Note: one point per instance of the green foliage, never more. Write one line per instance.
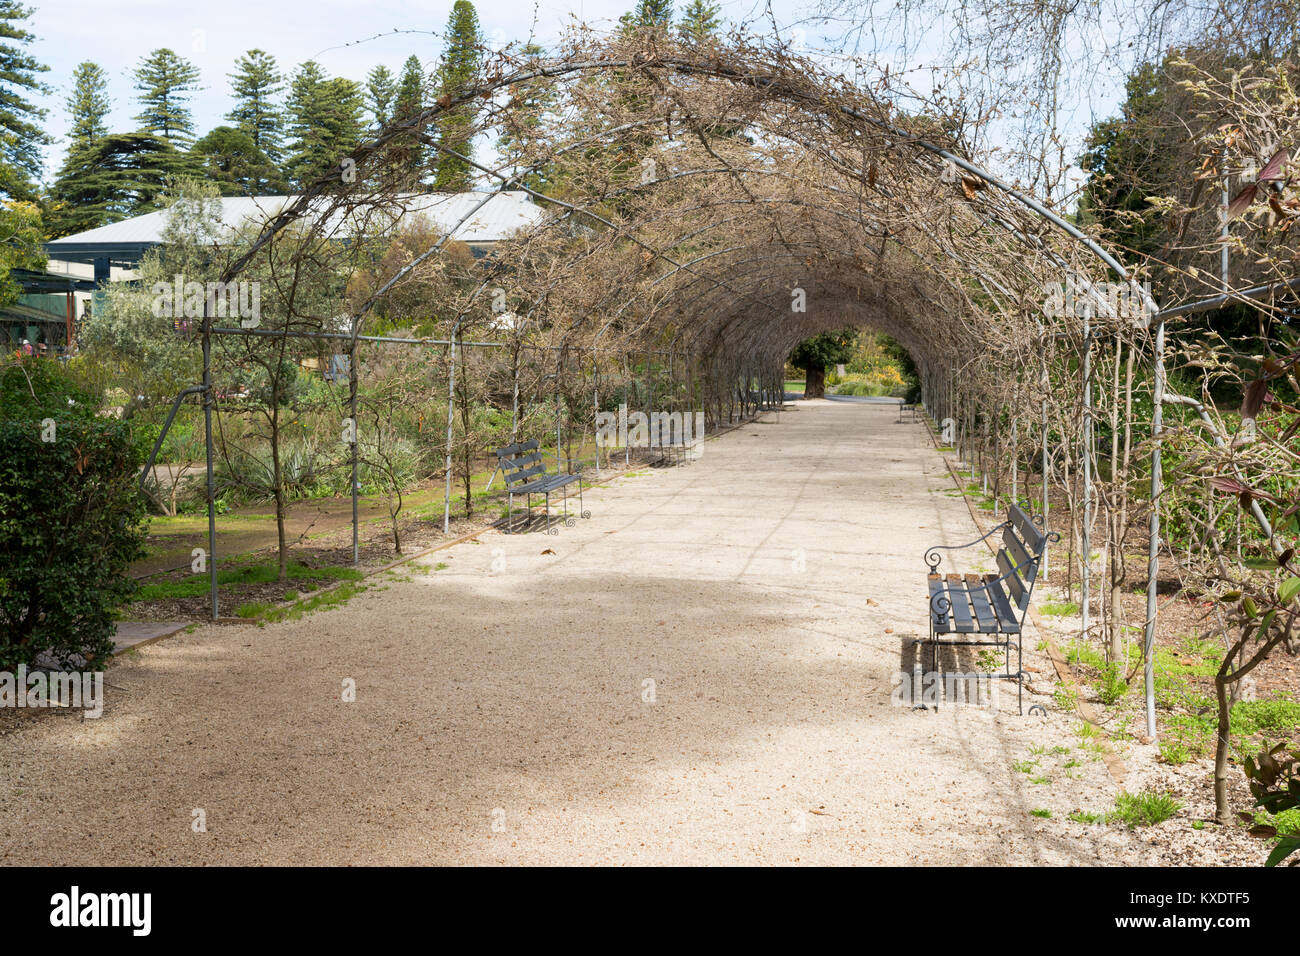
(71, 517)
(1086, 817)
(127, 344)
(381, 91)
(165, 82)
(456, 74)
(21, 135)
(20, 224)
(119, 175)
(826, 349)
(231, 159)
(1274, 779)
(699, 20)
(1126, 165)
(255, 84)
(88, 105)
(324, 123)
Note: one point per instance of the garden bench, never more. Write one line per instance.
(988, 610)
(524, 471)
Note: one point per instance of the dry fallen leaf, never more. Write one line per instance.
(548, 551)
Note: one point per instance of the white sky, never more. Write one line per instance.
(336, 33)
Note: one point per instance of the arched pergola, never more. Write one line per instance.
(696, 195)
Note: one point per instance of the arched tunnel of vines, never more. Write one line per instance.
(881, 443)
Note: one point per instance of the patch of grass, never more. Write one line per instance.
(1059, 608)
(1085, 817)
(267, 572)
(323, 601)
(1276, 717)
(1041, 813)
(253, 609)
(441, 566)
(1041, 780)
(1025, 766)
(1144, 809)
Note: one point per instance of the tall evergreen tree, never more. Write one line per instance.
(324, 121)
(456, 73)
(165, 83)
(255, 84)
(699, 20)
(409, 96)
(88, 105)
(21, 136)
(408, 101)
(381, 89)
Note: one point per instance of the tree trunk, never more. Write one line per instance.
(1222, 812)
(815, 382)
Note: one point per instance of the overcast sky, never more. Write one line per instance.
(339, 34)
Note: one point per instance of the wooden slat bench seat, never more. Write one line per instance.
(988, 610)
(522, 466)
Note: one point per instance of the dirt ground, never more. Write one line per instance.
(700, 673)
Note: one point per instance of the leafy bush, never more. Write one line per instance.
(71, 518)
(1274, 778)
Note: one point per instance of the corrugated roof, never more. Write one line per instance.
(503, 214)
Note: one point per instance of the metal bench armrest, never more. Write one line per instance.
(933, 557)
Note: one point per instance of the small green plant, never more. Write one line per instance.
(1066, 698)
(1025, 766)
(1041, 813)
(1111, 686)
(1041, 780)
(1085, 817)
(1198, 824)
(253, 609)
(1059, 608)
(1144, 809)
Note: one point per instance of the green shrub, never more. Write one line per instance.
(71, 517)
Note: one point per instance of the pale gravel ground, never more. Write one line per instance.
(515, 696)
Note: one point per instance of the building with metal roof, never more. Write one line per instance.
(104, 253)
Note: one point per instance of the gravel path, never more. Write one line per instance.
(701, 673)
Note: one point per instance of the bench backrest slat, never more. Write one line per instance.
(1016, 587)
(521, 462)
(1019, 553)
(1033, 536)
